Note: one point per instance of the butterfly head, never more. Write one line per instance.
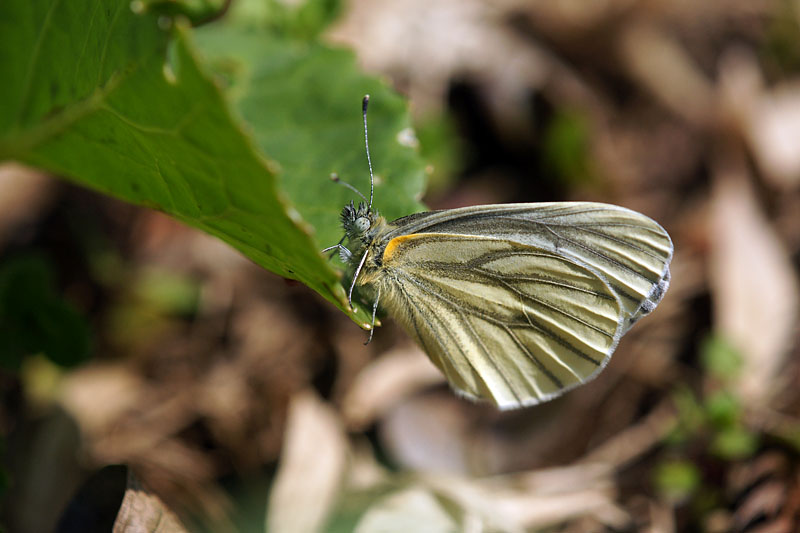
(357, 221)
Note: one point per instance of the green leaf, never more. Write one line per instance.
(720, 359)
(787, 431)
(677, 480)
(34, 318)
(197, 11)
(723, 408)
(303, 103)
(691, 416)
(168, 292)
(566, 146)
(112, 100)
(304, 19)
(440, 146)
(734, 443)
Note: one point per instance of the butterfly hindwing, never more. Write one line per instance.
(503, 321)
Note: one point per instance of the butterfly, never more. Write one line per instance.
(514, 303)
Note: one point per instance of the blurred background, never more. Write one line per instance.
(241, 399)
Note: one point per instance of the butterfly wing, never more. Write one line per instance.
(629, 250)
(517, 304)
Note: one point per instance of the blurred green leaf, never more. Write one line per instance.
(720, 359)
(565, 147)
(734, 443)
(5, 478)
(677, 480)
(297, 19)
(691, 417)
(788, 431)
(351, 508)
(149, 306)
(115, 112)
(723, 409)
(40, 378)
(304, 19)
(197, 11)
(440, 146)
(779, 52)
(168, 292)
(34, 318)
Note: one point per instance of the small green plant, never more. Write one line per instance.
(717, 416)
(35, 319)
(710, 430)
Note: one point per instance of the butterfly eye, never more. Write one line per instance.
(362, 224)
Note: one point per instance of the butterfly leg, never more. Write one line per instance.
(374, 310)
(344, 253)
(355, 277)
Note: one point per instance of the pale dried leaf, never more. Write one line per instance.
(384, 382)
(97, 395)
(503, 506)
(754, 287)
(559, 480)
(659, 62)
(143, 512)
(364, 472)
(769, 118)
(24, 192)
(311, 467)
(413, 509)
(662, 518)
(775, 133)
(573, 14)
(391, 36)
(429, 433)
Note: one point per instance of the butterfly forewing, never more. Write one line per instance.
(518, 303)
(630, 250)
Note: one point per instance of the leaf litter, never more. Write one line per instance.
(690, 109)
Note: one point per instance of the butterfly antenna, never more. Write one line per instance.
(364, 104)
(335, 177)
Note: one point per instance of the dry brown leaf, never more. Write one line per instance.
(311, 468)
(502, 505)
(561, 479)
(144, 512)
(391, 37)
(769, 118)
(98, 395)
(754, 287)
(636, 439)
(663, 67)
(509, 503)
(775, 133)
(662, 518)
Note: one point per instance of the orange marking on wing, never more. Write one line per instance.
(394, 243)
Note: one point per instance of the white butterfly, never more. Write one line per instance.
(515, 303)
